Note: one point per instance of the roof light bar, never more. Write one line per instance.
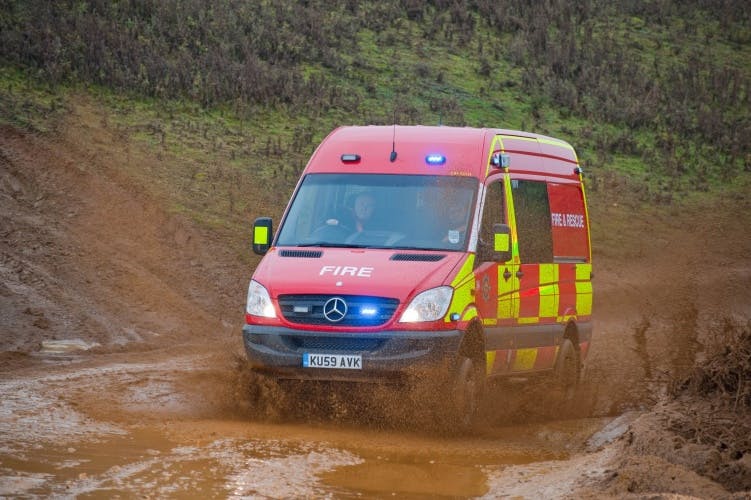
(350, 157)
(435, 159)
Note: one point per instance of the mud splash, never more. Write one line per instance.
(105, 427)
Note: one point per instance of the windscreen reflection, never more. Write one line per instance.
(381, 211)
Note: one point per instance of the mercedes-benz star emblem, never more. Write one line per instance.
(335, 309)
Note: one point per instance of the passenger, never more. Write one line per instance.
(456, 222)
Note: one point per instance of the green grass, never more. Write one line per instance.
(28, 103)
(232, 161)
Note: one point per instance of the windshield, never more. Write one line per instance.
(420, 212)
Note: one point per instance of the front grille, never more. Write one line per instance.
(303, 254)
(417, 257)
(361, 310)
(330, 344)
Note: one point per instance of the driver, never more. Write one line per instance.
(457, 213)
(363, 209)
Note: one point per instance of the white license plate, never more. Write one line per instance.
(340, 361)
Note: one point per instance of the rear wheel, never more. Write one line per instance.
(469, 384)
(567, 369)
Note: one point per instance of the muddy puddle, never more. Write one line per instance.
(154, 428)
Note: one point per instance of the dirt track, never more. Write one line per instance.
(151, 402)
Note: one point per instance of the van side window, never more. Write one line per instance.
(493, 212)
(533, 228)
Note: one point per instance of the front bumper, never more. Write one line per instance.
(386, 355)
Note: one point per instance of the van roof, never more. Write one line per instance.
(466, 150)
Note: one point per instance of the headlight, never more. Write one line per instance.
(259, 302)
(430, 305)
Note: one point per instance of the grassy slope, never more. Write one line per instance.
(226, 164)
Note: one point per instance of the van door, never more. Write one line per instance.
(497, 285)
(538, 277)
(571, 250)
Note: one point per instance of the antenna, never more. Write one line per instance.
(392, 158)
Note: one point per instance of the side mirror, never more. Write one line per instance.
(502, 242)
(262, 235)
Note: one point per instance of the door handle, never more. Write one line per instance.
(519, 274)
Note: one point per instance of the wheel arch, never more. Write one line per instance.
(473, 341)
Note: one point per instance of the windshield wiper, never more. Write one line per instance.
(419, 248)
(328, 244)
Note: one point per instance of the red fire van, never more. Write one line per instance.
(411, 247)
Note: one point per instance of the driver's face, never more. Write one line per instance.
(364, 207)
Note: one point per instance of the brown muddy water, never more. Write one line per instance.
(160, 426)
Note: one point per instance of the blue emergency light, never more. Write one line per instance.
(368, 311)
(435, 159)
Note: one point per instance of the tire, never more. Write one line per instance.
(567, 369)
(469, 384)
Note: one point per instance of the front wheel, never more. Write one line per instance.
(469, 383)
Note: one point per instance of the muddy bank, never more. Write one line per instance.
(120, 330)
